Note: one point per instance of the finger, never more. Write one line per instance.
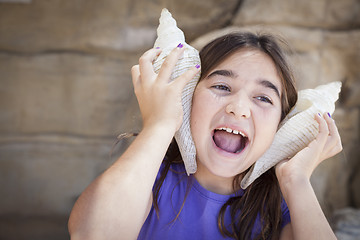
(146, 61)
(187, 76)
(170, 62)
(320, 139)
(333, 130)
(333, 144)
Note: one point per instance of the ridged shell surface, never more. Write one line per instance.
(168, 37)
(298, 128)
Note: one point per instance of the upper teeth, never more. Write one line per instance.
(229, 130)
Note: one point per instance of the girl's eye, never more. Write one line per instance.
(264, 99)
(222, 87)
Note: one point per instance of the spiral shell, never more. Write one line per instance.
(298, 128)
(168, 37)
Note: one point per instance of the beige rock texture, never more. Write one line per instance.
(66, 92)
(346, 223)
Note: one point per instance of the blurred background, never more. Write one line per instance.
(66, 93)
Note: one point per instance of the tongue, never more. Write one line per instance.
(227, 141)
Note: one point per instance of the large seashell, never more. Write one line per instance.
(298, 128)
(169, 36)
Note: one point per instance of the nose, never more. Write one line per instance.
(239, 107)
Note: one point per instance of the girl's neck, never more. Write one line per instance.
(214, 183)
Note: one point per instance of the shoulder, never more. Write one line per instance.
(174, 176)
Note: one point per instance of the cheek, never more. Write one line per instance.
(200, 114)
(198, 109)
(195, 116)
(267, 125)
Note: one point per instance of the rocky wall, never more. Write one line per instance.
(66, 93)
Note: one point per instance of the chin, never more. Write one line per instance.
(226, 171)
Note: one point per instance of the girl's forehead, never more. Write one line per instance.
(247, 60)
(244, 55)
(247, 55)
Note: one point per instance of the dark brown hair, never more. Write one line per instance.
(263, 196)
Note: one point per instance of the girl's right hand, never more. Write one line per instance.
(159, 98)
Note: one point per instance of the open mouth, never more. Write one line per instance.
(230, 140)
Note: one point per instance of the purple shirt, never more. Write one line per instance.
(198, 218)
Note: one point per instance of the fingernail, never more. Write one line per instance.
(180, 45)
(329, 115)
(197, 66)
(157, 48)
(319, 114)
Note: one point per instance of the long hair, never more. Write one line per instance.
(263, 197)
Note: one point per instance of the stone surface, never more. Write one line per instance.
(108, 25)
(354, 181)
(346, 223)
(65, 91)
(47, 174)
(310, 14)
(34, 228)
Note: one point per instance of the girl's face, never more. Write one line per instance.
(235, 114)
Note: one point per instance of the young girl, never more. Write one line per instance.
(246, 88)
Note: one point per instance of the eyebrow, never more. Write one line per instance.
(231, 74)
(269, 84)
(225, 73)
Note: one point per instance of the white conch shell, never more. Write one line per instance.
(169, 36)
(297, 129)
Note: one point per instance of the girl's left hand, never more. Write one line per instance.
(326, 144)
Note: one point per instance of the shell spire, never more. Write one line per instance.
(297, 129)
(329, 94)
(168, 37)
